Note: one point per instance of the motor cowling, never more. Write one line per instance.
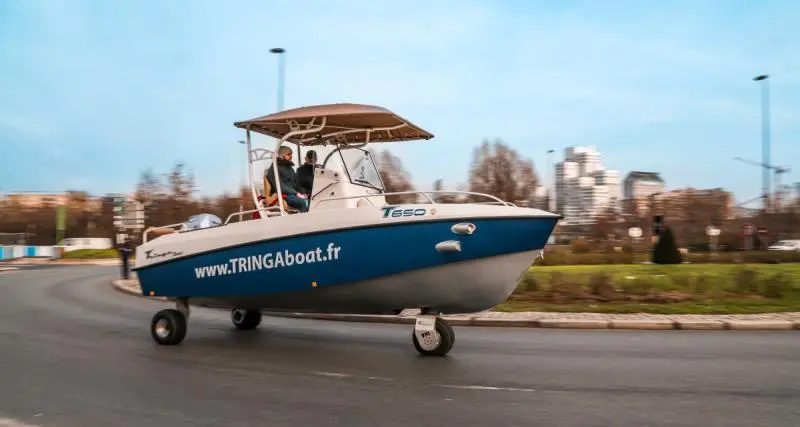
(200, 221)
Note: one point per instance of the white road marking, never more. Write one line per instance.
(451, 386)
(331, 374)
(483, 387)
(8, 422)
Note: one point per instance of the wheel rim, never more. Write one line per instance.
(238, 316)
(430, 341)
(162, 328)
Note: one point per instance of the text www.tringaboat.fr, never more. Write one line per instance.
(269, 261)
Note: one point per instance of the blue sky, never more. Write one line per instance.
(94, 92)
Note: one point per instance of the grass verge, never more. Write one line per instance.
(657, 289)
(91, 254)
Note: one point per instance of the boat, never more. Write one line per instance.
(351, 252)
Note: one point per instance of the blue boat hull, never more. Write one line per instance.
(361, 270)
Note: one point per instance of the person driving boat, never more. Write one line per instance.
(305, 173)
(291, 189)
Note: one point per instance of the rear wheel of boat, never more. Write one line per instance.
(245, 319)
(168, 327)
(436, 342)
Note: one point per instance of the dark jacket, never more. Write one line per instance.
(305, 176)
(289, 183)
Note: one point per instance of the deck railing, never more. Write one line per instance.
(275, 211)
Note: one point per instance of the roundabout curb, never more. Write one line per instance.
(548, 320)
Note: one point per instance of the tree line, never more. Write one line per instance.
(495, 169)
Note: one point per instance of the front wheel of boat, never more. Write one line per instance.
(436, 342)
(168, 327)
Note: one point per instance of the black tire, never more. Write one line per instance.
(168, 327)
(452, 335)
(250, 320)
(446, 337)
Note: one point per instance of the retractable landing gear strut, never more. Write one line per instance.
(168, 326)
(432, 335)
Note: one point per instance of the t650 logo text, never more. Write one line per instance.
(397, 212)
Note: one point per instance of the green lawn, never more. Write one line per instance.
(91, 254)
(670, 289)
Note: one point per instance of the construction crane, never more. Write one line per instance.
(777, 171)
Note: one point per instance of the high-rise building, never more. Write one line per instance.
(639, 186)
(584, 188)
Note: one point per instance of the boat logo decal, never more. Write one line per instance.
(398, 212)
(150, 255)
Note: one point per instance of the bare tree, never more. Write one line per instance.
(500, 171)
(395, 178)
(605, 224)
(438, 185)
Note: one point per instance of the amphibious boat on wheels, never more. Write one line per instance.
(350, 252)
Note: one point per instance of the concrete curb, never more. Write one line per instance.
(51, 261)
(546, 321)
(763, 325)
(129, 288)
(87, 262)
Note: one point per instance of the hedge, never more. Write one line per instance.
(753, 257)
(91, 254)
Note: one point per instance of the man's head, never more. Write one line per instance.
(285, 152)
(311, 157)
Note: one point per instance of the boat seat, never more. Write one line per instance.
(272, 200)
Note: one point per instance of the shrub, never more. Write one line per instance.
(601, 285)
(553, 257)
(701, 284)
(580, 246)
(561, 289)
(638, 286)
(528, 283)
(666, 251)
(746, 281)
(777, 286)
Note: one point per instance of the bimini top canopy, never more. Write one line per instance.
(345, 123)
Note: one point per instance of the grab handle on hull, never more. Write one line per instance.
(449, 246)
(463, 228)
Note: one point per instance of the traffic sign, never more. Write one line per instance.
(635, 232)
(748, 229)
(712, 231)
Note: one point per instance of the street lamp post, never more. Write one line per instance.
(281, 52)
(281, 73)
(765, 151)
(550, 185)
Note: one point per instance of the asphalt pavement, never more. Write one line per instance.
(75, 352)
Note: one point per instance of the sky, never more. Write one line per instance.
(92, 93)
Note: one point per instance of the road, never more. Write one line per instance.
(74, 352)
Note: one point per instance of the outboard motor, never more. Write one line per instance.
(205, 220)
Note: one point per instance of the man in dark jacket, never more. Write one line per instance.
(290, 186)
(125, 250)
(305, 173)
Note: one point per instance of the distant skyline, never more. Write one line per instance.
(96, 92)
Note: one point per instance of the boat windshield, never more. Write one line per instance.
(361, 168)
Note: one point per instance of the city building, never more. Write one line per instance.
(584, 188)
(35, 199)
(683, 204)
(41, 199)
(639, 186)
